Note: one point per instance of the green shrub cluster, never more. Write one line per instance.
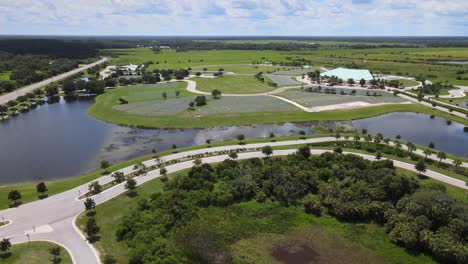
(347, 187)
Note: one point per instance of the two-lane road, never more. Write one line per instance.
(22, 91)
(52, 219)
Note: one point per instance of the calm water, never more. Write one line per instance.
(419, 129)
(62, 140)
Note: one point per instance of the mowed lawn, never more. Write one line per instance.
(4, 76)
(408, 83)
(170, 59)
(397, 61)
(233, 84)
(34, 252)
(236, 68)
(251, 69)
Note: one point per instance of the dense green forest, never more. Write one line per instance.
(419, 217)
(27, 60)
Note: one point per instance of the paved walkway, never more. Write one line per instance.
(52, 219)
(22, 91)
(192, 87)
(456, 93)
(443, 109)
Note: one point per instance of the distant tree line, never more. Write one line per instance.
(187, 44)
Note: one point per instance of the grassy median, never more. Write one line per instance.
(34, 252)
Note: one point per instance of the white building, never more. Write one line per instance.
(130, 69)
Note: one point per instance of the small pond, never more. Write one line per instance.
(454, 62)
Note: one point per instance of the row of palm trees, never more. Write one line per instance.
(410, 147)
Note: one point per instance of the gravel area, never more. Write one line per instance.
(308, 99)
(157, 108)
(246, 104)
(282, 80)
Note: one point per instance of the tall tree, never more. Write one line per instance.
(94, 187)
(457, 162)
(92, 230)
(5, 246)
(216, 93)
(441, 155)
(420, 166)
(267, 150)
(14, 196)
(104, 165)
(131, 185)
(89, 204)
(240, 137)
(41, 188)
(233, 155)
(55, 253)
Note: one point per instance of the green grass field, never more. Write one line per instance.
(151, 92)
(408, 83)
(233, 84)
(103, 109)
(237, 68)
(175, 60)
(5, 76)
(282, 80)
(34, 252)
(397, 61)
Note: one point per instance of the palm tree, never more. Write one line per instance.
(368, 139)
(357, 138)
(267, 150)
(233, 155)
(431, 145)
(420, 166)
(427, 152)
(398, 144)
(441, 155)
(337, 136)
(411, 147)
(378, 138)
(457, 163)
(386, 141)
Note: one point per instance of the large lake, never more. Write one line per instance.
(61, 140)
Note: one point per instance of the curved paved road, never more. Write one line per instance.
(53, 218)
(22, 91)
(192, 87)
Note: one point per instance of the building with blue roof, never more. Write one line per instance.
(345, 74)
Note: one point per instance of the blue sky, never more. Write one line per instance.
(238, 17)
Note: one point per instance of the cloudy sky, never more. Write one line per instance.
(237, 17)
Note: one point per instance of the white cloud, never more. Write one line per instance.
(237, 17)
